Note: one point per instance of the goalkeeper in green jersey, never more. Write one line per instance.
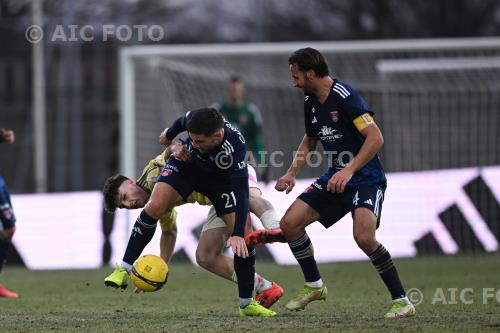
(247, 118)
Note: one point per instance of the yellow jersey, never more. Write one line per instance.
(148, 179)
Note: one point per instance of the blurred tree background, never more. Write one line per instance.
(194, 21)
(82, 75)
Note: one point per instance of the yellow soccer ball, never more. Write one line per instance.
(149, 273)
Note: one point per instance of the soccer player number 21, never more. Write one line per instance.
(228, 197)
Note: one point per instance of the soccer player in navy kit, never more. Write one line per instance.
(7, 217)
(336, 115)
(218, 171)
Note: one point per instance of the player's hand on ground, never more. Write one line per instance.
(287, 182)
(163, 139)
(339, 180)
(180, 152)
(7, 135)
(238, 245)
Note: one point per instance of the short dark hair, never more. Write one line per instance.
(205, 121)
(234, 79)
(309, 58)
(110, 191)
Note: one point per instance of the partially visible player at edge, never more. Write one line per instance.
(7, 217)
(122, 192)
(337, 115)
(218, 170)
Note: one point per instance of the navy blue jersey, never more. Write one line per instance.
(7, 217)
(332, 123)
(226, 163)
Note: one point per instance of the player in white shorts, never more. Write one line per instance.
(121, 192)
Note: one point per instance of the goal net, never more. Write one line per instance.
(437, 101)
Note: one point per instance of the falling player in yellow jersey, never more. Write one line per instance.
(122, 192)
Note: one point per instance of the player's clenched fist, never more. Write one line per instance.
(180, 152)
(339, 180)
(287, 182)
(163, 139)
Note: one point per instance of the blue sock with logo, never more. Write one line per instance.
(142, 233)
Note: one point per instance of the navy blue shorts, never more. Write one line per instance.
(186, 178)
(334, 206)
(6, 213)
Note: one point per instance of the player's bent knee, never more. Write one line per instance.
(365, 240)
(290, 228)
(204, 259)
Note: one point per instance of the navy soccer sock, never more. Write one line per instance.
(245, 272)
(142, 233)
(302, 250)
(382, 261)
(4, 247)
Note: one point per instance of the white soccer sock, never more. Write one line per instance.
(244, 302)
(406, 299)
(270, 219)
(315, 284)
(127, 267)
(260, 284)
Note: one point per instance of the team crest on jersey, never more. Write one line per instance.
(335, 116)
(166, 172)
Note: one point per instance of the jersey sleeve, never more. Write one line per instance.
(354, 106)
(239, 182)
(238, 174)
(177, 127)
(233, 153)
(179, 124)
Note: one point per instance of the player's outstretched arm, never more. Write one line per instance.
(178, 126)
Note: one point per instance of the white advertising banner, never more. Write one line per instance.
(64, 230)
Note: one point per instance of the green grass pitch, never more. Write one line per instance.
(194, 300)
